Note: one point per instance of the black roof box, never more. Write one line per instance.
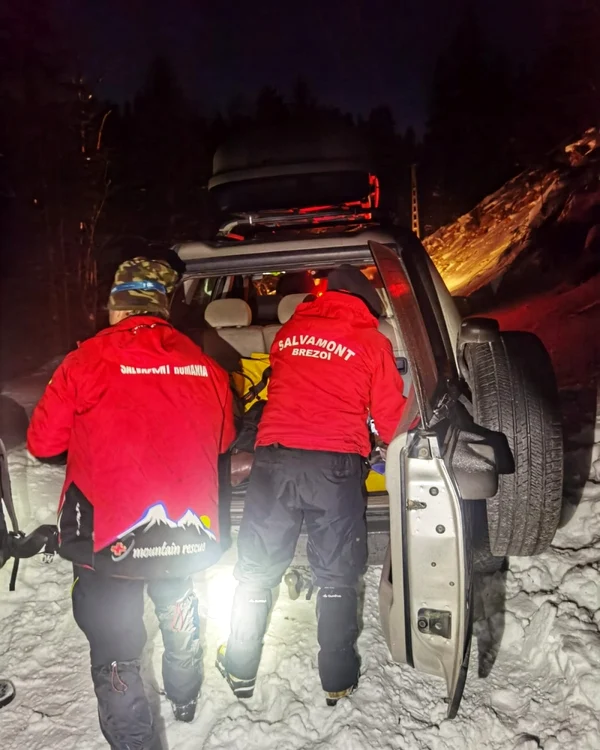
(290, 167)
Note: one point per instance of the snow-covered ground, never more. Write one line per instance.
(537, 640)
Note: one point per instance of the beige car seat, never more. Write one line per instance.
(285, 310)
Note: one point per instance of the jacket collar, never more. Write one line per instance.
(338, 305)
(133, 322)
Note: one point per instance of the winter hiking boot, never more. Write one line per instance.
(184, 711)
(241, 688)
(293, 581)
(332, 698)
(7, 692)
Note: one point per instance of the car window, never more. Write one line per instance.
(204, 292)
(416, 264)
(178, 305)
(191, 298)
(412, 326)
(265, 284)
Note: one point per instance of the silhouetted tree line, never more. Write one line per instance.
(80, 178)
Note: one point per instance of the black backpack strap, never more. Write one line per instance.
(247, 434)
(13, 576)
(16, 544)
(6, 501)
(5, 488)
(254, 390)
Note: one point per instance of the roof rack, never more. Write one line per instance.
(295, 217)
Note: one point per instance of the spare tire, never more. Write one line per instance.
(514, 391)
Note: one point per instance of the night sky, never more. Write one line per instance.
(355, 54)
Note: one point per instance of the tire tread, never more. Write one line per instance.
(514, 391)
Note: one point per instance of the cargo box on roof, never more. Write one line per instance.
(291, 168)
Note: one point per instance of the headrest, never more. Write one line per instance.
(228, 313)
(287, 306)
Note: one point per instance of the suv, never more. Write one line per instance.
(475, 468)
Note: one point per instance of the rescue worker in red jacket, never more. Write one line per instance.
(144, 415)
(331, 370)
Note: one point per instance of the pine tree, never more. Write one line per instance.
(380, 131)
(562, 97)
(304, 103)
(271, 109)
(163, 151)
(51, 133)
(467, 144)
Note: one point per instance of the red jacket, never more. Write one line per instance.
(143, 414)
(331, 369)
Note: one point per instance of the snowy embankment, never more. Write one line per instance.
(538, 231)
(537, 639)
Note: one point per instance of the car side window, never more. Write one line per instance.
(231, 288)
(192, 297)
(203, 292)
(414, 331)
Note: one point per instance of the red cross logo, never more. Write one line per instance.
(118, 549)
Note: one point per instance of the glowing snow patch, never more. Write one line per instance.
(221, 587)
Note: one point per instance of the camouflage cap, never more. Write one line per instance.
(142, 285)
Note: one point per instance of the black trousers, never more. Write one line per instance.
(110, 612)
(324, 490)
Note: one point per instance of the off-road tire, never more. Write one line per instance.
(514, 391)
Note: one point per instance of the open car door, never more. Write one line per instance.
(425, 590)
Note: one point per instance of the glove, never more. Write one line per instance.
(377, 460)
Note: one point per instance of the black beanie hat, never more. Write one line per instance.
(347, 278)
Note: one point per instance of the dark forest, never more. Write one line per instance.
(81, 177)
